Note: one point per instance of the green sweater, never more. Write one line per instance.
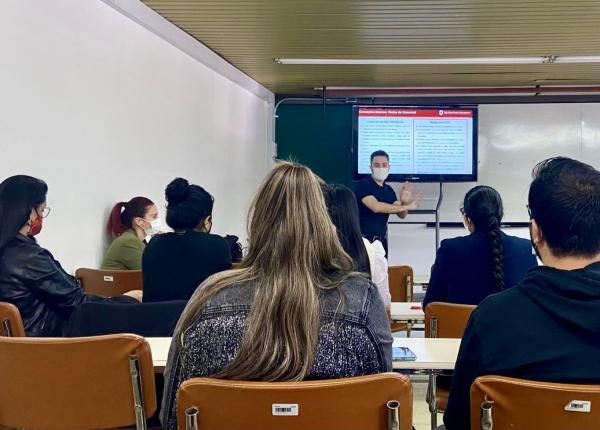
(124, 253)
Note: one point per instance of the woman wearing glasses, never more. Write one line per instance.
(468, 269)
(30, 277)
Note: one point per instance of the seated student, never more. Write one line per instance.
(129, 224)
(295, 309)
(368, 257)
(547, 328)
(235, 249)
(30, 278)
(175, 264)
(468, 269)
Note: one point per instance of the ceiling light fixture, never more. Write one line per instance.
(578, 59)
(337, 92)
(548, 59)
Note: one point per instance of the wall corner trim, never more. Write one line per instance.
(161, 27)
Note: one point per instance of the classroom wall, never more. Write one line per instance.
(103, 110)
(513, 138)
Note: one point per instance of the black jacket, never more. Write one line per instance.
(463, 269)
(175, 264)
(547, 328)
(33, 281)
(145, 319)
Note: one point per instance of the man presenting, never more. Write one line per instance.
(377, 200)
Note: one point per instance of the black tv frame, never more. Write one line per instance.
(395, 177)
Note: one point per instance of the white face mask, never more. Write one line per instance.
(155, 226)
(380, 173)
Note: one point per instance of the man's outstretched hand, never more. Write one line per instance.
(406, 193)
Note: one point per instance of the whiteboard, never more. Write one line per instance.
(513, 138)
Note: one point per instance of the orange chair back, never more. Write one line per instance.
(76, 383)
(109, 283)
(523, 404)
(358, 403)
(11, 324)
(401, 283)
(446, 319)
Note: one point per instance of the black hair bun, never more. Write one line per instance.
(177, 191)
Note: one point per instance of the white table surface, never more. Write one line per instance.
(421, 279)
(432, 354)
(402, 312)
(160, 351)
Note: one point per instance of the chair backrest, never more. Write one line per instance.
(522, 404)
(11, 324)
(401, 283)
(109, 283)
(76, 383)
(446, 319)
(359, 403)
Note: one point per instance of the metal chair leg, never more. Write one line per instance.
(191, 419)
(6, 328)
(486, 421)
(432, 399)
(138, 397)
(393, 407)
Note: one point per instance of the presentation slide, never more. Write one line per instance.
(418, 141)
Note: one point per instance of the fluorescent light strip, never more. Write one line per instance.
(441, 61)
(578, 59)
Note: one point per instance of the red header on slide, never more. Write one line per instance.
(415, 113)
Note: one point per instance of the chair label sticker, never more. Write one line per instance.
(579, 406)
(108, 278)
(285, 409)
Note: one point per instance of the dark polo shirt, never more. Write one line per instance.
(370, 222)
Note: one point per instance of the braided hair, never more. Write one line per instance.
(483, 206)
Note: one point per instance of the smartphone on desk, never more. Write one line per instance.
(402, 353)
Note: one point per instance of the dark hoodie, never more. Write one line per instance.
(547, 329)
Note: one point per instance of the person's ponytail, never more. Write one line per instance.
(122, 215)
(483, 206)
(115, 226)
(497, 251)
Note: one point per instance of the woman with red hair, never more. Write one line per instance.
(128, 225)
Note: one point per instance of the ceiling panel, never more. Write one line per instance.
(252, 33)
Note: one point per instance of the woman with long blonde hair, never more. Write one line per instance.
(293, 310)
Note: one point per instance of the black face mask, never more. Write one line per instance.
(533, 244)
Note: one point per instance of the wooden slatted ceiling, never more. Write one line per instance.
(252, 33)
